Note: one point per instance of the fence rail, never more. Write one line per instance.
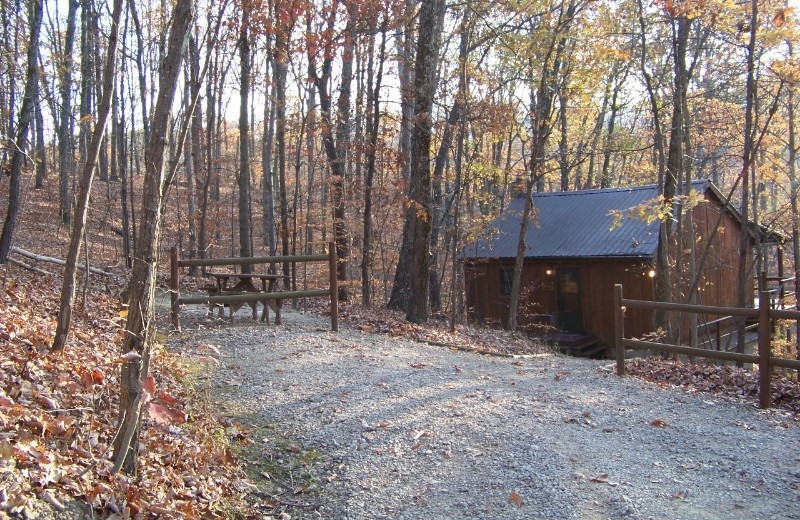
(177, 300)
(764, 315)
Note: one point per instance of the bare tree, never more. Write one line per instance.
(82, 207)
(419, 214)
(245, 247)
(65, 156)
(542, 95)
(139, 327)
(25, 116)
(336, 144)
(373, 126)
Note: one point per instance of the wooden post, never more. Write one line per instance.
(332, 266)
(619, 330)
(764, 341)
(781, 285)
(174, 287)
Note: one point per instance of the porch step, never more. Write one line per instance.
(578, 345)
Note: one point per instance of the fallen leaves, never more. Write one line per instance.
(58, 414)
(658, 423)
(729, 381)
(165, 415)
(393, 323)
(515, 499)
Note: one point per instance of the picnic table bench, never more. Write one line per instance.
(246, 283)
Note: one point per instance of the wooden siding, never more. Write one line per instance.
(539, 293)
(719, 277)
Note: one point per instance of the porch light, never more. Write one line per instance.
(651, 273)
(549, 272)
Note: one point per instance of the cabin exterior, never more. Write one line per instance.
(577, 250)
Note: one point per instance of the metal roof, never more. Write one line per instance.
(569, 224)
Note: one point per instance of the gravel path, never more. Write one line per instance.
(404, 430)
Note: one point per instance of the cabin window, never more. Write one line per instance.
(506, 278)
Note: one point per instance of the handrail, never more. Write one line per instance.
(206, 262)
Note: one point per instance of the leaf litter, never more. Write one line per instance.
(58, 415)
(727, 381)
(436, 331)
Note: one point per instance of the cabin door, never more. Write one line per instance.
(568, 291)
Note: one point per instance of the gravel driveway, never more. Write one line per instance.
(396, 429)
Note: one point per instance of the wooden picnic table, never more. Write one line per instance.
(244, 283)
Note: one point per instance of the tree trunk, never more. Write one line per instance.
(41, 151)
(406, 77)
(65, 154)
(596, 133)
(123, 176)
(795, 188)
(102, 160)
(662, 280)
(563, 158)
(86, 114)
(612, 120)
(373, 127)
(339, 169)
(25, 116)
(541, 120)
(336, 146)
(142, 76)
(431, 20)
(140, 327)
(281, 58)
(196, 151)
(748, 153)
(310, 152)
(202, 241)
(456, 113)
(245, 247)
(267, 187)
(82, 207)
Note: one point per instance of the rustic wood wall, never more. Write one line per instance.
(598, 276)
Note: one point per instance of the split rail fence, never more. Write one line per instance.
(252, 297)
(764, 314)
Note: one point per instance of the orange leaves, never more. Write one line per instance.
(58, 416)
(165, 415)
(729, 381)
(91, 377)
(515, 499)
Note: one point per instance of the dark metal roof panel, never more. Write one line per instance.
(574, 224)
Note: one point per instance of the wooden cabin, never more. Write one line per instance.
(577, 249)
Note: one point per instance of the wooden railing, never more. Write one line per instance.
(177, 300)
(764, 315)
